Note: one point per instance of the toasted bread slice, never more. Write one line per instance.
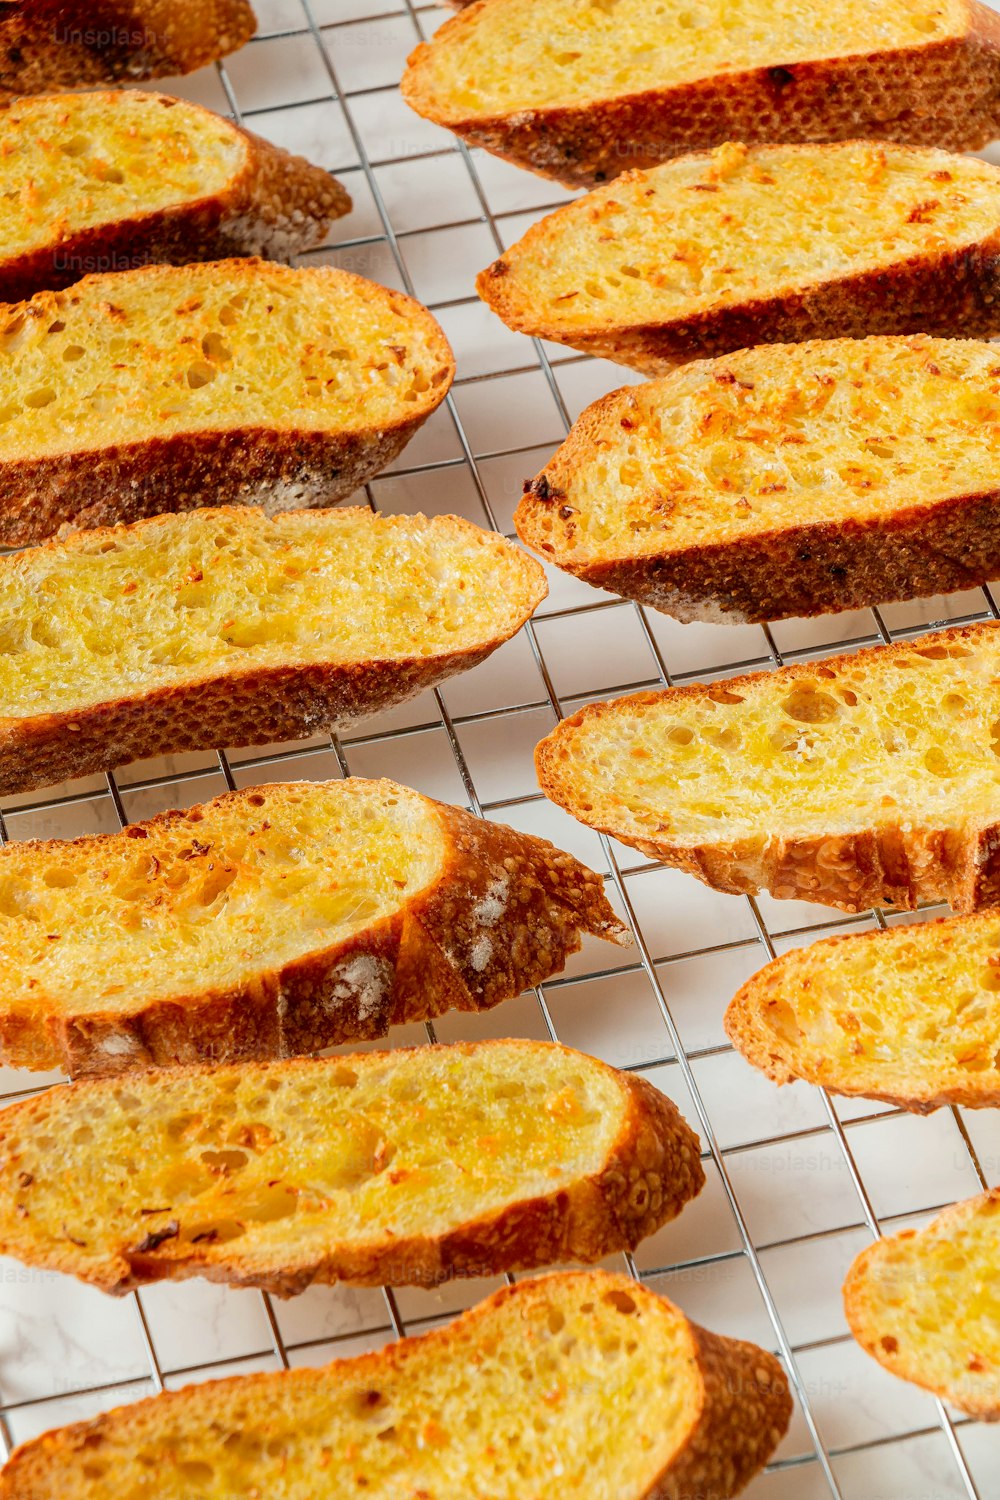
(275, 921)
(910, 1016)
(923, 1304)
(581, 93)
(785, 480)
(112, 181)
(871, 778)
(57, 44)
(762, 245)
(402, 1167)
(227, 627)
(236, 382)
(581, 1384)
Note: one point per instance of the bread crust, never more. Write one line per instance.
(275, 205)
(431, 955)
(944, 94)
(739, 1411)
(898, 863)
(239, 706)
(278, 468)
(651, 1171)
(977, 1403)
(912, 551)
(55, 44)
(950, 293)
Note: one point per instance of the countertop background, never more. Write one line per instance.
(798, 1183)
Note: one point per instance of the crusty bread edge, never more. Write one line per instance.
(892, 864)
(740, 1407)
(651, 1170)
(248, 705)
(940, 94)
(866, 1334)
(421, 960)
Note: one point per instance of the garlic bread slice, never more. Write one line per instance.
(760, 245)
(407, 1167)
(229, 627)
(118, 179)
(512, 1398)
(923, 1303)
(863, 779)
(786, 480)
(583, 90)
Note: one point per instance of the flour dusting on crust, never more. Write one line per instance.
(366, 980)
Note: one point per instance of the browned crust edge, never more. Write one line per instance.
(796, 571)
(278, 469)
(953, 294)
(868, 1336)
(240, 706)
(47, 45)
(748, 1034)
(276, 205)
(944, 94)
(424, 959)
(894, 864)
(651, 1171)
(741, 1412)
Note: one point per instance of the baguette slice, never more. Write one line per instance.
(581, 92)
(923, 1303)
(580, 1384)
(57, 44)
(761, 245)
(910, 1016)
(783, 481)
(227, 627)
(866, 779)
(236, 382)
(402, 1167)
(112, 181)
(275, 921)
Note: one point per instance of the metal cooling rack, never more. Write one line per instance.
(797, 1182)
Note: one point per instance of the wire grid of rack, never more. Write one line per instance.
(797, 1182)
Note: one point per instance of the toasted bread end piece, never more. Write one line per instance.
(919, 1303)
(907, 1016)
